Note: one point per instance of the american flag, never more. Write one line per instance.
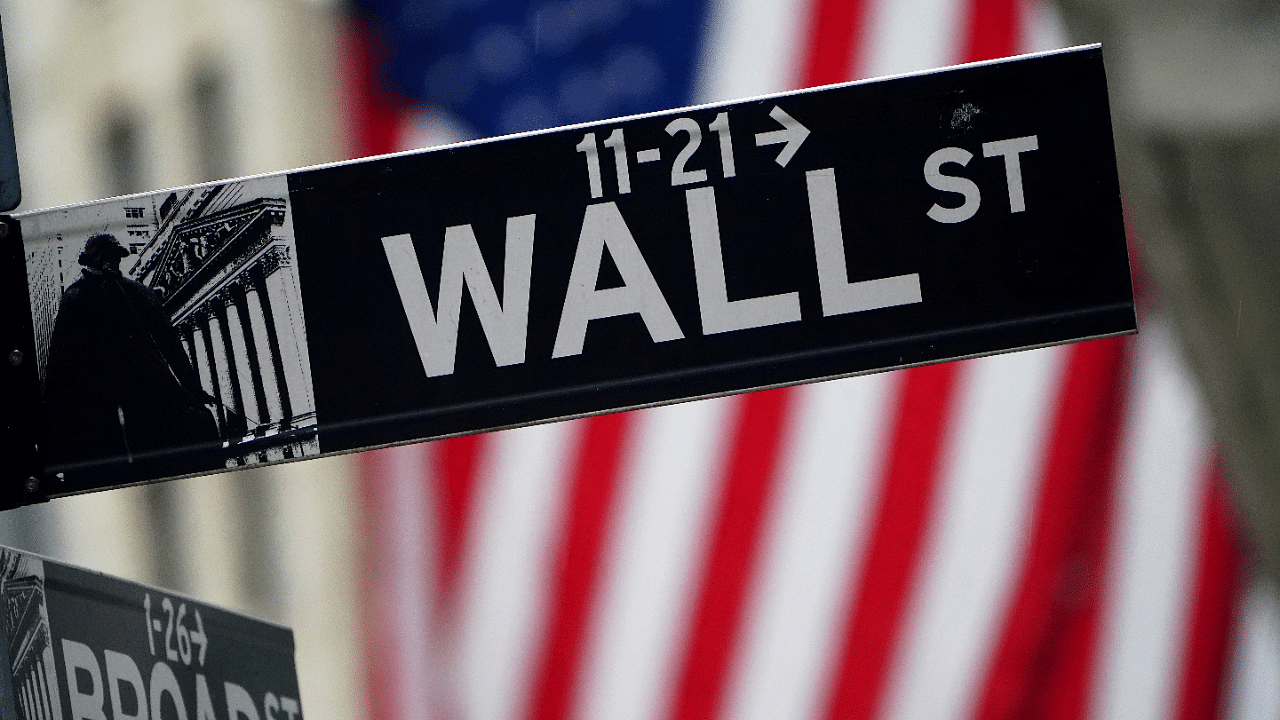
(1041, 534)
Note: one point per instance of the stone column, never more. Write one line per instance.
(222, 310)
(249, 352)
(275, 394)
(273, 343)
(28, 710)
(282, 287)
(207, 367)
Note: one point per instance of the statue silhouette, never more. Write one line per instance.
(121, 395)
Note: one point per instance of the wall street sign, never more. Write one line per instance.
(612, 265)
(79, 644)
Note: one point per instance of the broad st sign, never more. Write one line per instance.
(85, 646)
(621, 264)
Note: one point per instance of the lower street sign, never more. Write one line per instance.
(599, 267)
(86, 646)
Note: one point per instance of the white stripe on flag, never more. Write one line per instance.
(1164, 462)
(519, 511)
(1041, 27)
(1254, 690)
(752, 47)
(650, 568)
(909, 35)
(407, 523)
(998, 435)
(812, 548)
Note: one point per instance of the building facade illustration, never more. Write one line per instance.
(35, 678)
(223, 262)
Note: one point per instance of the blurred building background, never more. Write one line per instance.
(121, 96)
(1042, 534)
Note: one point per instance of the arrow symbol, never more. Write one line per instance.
(793, 134)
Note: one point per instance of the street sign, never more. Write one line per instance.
(599, 267)
(79, 644)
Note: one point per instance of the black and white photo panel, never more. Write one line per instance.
(169, 333)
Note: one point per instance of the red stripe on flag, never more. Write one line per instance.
(892, 554)
(457, 462)
(592, 487)
(1040, 666)
(991, 30)
(1215, 605)
(835, 29)
(734, 543)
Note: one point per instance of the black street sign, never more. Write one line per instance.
(599, 267)
(79, 644)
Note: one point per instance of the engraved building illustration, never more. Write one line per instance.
(227, 275)
(26, 618)
(222, 259)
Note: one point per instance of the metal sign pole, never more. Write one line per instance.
(20, 418)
